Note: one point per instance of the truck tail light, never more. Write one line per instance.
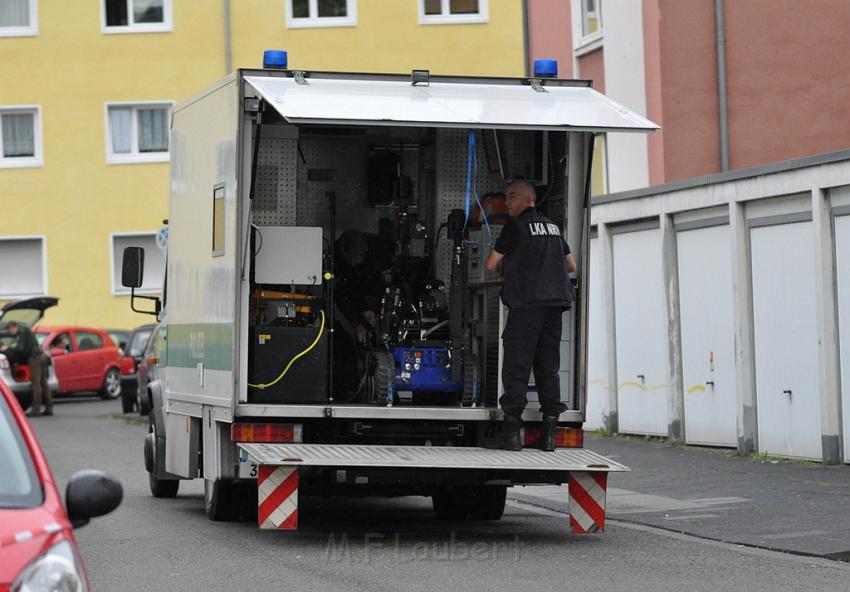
(564, 437)
(268, 433)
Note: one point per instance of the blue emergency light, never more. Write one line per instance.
(545, 68)
(275, 59)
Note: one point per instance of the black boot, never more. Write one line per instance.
(547, 433)
(508, 438)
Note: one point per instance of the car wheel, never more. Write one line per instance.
(111, 385)
(128, 404)
(24, 399)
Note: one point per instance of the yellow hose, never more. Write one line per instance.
(292, 361)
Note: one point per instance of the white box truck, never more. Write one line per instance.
(268, 388)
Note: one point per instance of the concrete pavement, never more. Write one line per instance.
(712, 493)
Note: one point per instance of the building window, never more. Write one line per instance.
(443, 12)
(218, 221)
(154, 261)
(321, 13)
(135, 16)
(137, 132)
(18, 18)
(599, 167)
(591, 17)
(23, 267)
(20, 136)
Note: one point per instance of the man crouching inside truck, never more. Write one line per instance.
(536, 263)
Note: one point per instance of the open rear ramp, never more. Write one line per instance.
(279, 465)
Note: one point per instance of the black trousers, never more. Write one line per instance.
(532, 339)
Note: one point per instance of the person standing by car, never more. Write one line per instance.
(25, 347)
(536, 263)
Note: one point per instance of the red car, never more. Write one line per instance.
(38, 550)
(85, 359)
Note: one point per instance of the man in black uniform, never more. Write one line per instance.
(536, 263)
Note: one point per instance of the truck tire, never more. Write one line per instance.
(111, 385)
(221, 500)
(451, 503)
(144, 403)
(163, 487)
(488, 502)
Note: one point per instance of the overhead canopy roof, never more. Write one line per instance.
(446, 104)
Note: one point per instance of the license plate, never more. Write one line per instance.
(247, 467)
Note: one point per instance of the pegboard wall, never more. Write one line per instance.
(274, 197)
(451, 157)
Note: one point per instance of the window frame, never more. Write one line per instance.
(23, 237)
(315, 21)
(166, 26)
(447, 18)
(135, 157)
(583, 44)
(20, 162)
(30, 30)
(115, 280)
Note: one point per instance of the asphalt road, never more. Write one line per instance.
(375, 544)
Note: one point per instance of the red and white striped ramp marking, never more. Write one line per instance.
(278, 497)
(587, 501)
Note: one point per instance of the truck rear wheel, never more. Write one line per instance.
(488, 502)
(221, 500)
(451, 503)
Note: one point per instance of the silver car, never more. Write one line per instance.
(16, 373)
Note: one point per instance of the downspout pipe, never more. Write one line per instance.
(525, 40)
(721, 85)
(228, 55)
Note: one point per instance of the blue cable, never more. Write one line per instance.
(470, 155)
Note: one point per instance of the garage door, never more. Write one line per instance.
(786, 340)
(708, 345)
(641, 336)
(597, 391)
(842, 261)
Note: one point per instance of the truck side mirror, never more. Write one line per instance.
(133, 267)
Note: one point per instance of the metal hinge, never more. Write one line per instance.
(299, 77)
(537, 85)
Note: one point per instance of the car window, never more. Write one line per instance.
(19, 487)
(27, 316)
(137, 343)
(151, 346)
(87, 340)
(63, 341)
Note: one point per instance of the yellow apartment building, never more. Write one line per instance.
(85, 92)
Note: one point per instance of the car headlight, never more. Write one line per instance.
(4, 363)
(58, 570)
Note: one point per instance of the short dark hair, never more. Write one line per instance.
(352, 242)
(526, 187)
(11, 324)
